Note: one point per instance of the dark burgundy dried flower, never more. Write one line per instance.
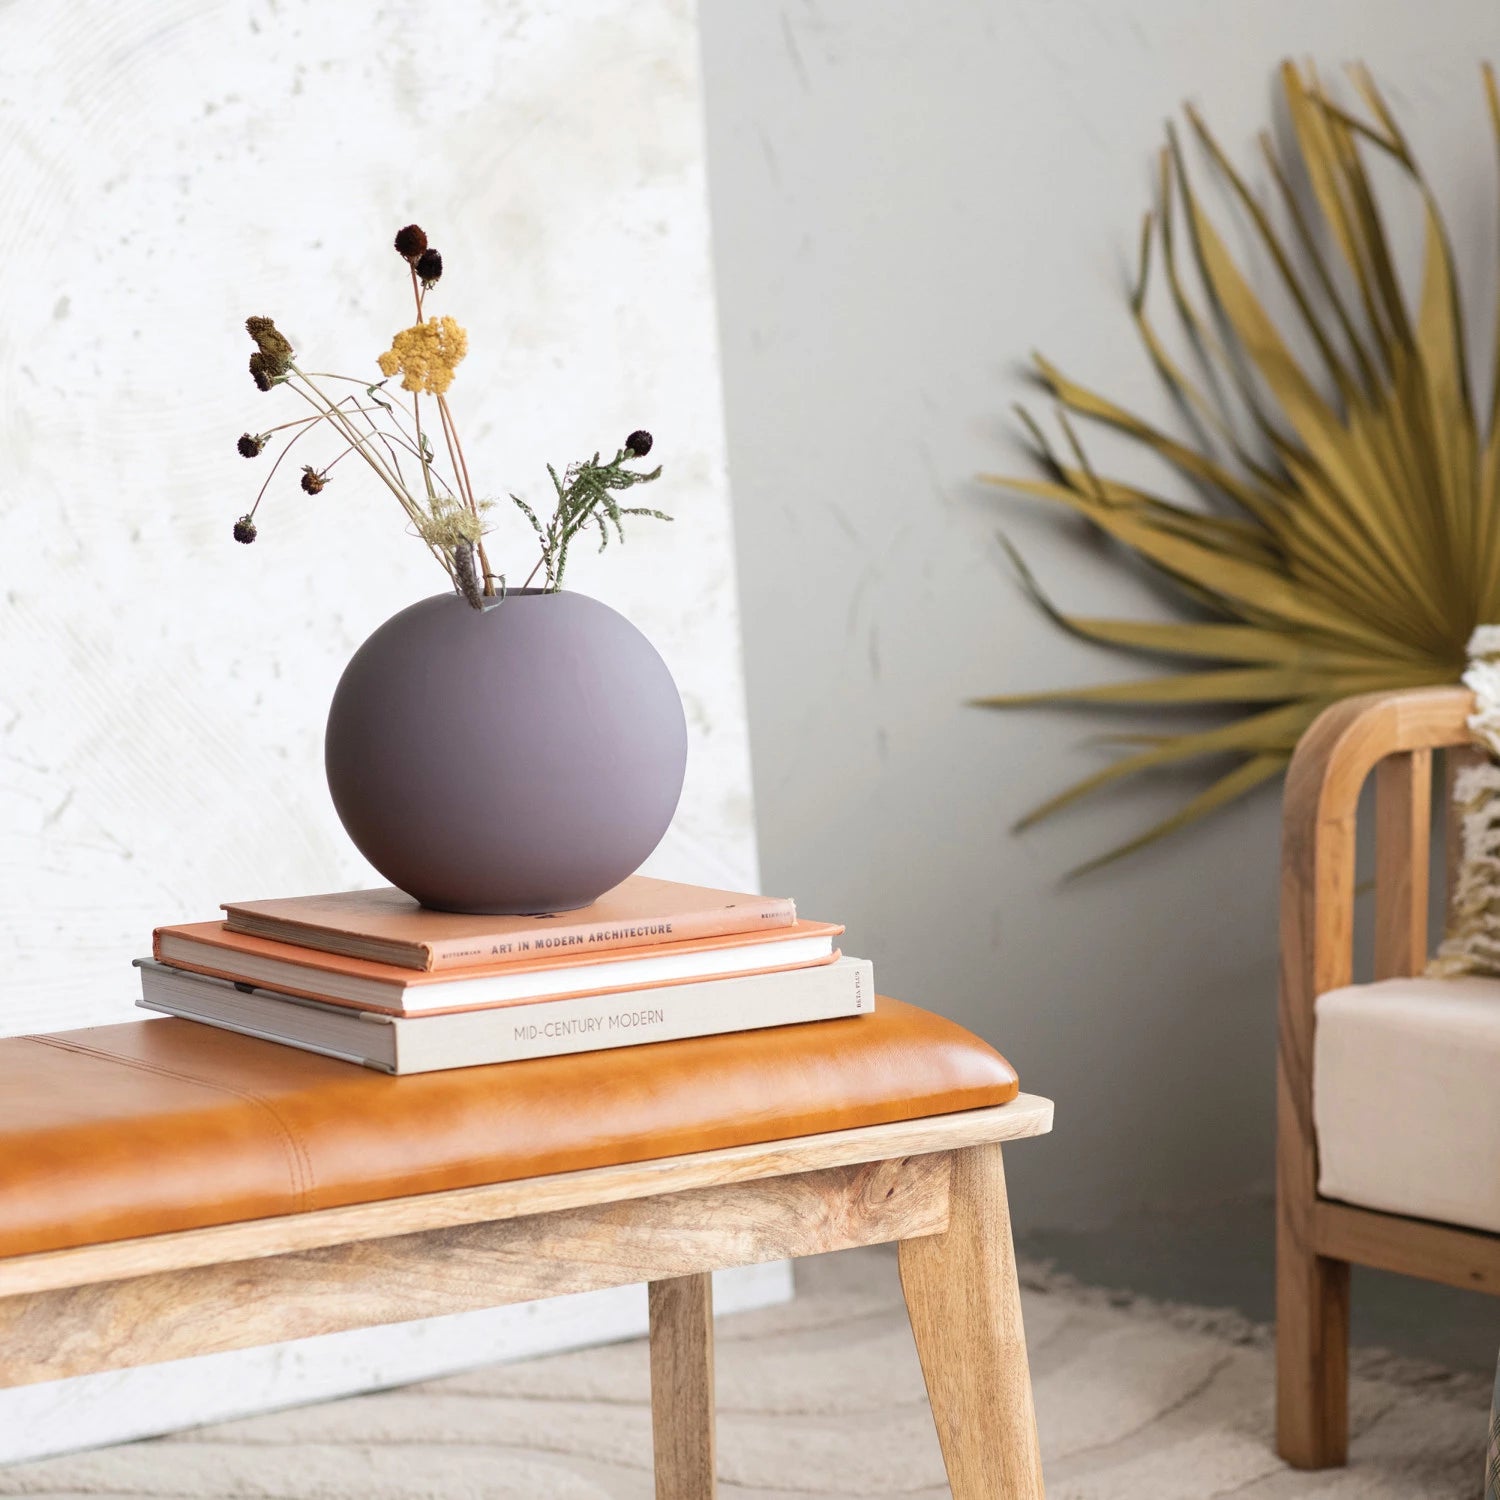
(411, 241)
(429, 268)
(250, 444)
(638, 444)
(244, 530)
(313, 479)
(260, 370)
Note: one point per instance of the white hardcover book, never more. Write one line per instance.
(512, 1033)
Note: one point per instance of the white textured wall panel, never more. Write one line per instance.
(166, 168)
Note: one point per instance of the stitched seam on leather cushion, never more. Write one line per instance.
(300, 1167)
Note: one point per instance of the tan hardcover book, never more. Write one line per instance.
(388, 927)
(211, 948)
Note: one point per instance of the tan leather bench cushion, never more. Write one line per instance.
(119, 1131)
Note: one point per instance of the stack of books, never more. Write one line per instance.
(373, 978)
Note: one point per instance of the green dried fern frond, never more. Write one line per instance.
(1351, 537)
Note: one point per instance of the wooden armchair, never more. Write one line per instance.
(1319, 1236)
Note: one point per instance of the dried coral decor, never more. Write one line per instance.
(933, 1182)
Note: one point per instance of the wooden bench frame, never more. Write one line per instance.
(1393, 735)
(934, 1185)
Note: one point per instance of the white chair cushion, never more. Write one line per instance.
(1406, 1098)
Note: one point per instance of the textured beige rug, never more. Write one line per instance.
(823, 1398)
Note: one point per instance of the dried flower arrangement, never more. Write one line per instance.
(388, 433)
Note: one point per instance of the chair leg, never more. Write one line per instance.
(965, 1307)
(682, 1386)
(1312, 1355)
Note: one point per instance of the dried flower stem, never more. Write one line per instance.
(308, 423)
(461, 467)
(418, 449)
(461, 464)
(416, 402)
(345, 454)
(354, 435)
(389, 402)
(282, 426)
(384, 439)
(334, 415)
(316, 417)
(333, 412)
(447, 426)
(422, 443)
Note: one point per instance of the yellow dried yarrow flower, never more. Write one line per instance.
(426, 354)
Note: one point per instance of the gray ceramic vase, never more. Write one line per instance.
(521, 758)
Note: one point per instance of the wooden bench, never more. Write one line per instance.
(167, 1190)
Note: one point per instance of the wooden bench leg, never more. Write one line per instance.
(682, 1386)
(965, 1307)
(1312, 1355)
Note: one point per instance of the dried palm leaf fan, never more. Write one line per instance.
(1350, 539)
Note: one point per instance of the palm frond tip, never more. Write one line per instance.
(1348, 535)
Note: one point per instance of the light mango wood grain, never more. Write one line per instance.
(1403, 855)
(1024, 1116)
(1312, 1354)
(964, 1302)
(205, 1309)
(1465, 1258)
(1317, 945)
(682, 1386)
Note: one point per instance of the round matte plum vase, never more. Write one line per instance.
(520, 758)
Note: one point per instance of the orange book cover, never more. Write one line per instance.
(388, 926)
(337, 979)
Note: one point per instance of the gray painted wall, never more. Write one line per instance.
(907, 200)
